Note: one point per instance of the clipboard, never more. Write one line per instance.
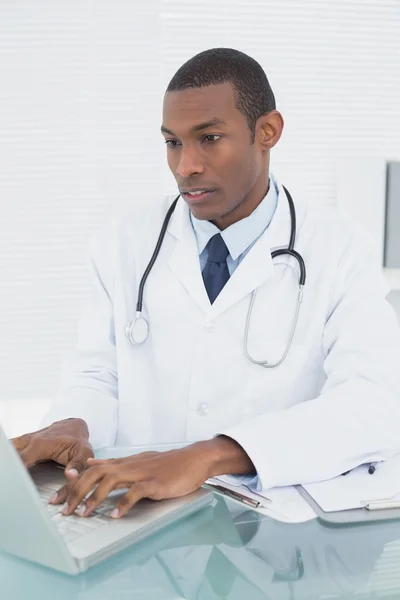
(351, 516)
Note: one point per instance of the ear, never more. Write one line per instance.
(269, 129)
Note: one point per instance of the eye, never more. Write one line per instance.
(211, 135)
(171, 143)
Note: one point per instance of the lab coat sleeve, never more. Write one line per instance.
(356, 418)
(89, 385)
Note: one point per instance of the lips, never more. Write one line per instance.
(197, 196)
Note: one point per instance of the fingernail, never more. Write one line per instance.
(53, 497)
(115, 513)
(65, 509)
(73, 472)
(81, 510)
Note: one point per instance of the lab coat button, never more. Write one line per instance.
(209, 327)
(202, 409)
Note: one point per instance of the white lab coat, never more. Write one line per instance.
(334, 402)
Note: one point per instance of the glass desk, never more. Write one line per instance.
(229, 551)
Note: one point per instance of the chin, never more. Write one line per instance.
(204, 213)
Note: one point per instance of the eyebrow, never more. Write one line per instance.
(199, 127)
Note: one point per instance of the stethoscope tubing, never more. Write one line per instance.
(142, 326)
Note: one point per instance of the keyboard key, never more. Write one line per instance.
(93, 522)
(57, 517)
(74, 526)
(103, 510)
(48, 489)
(53, 509)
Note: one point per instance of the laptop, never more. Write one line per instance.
(31, 528)
(147, 570)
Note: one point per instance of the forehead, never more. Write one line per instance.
(185, 108)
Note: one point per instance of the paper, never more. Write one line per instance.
(358, 488)
(288, 506)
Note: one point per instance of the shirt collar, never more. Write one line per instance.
(240, 235)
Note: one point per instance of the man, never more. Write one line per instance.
(332, 403)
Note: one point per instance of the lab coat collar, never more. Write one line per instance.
(251, 273)
(242, 234)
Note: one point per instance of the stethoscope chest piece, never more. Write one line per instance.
(137, 331)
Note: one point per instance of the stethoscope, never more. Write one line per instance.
(137, 330)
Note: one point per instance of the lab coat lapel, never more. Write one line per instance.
(184, 261)
(257, 266)
(255, 269)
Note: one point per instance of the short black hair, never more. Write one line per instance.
(253, 93)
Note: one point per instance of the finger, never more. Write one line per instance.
(137, 492)
(21, 442)
(117, 461)
(107, 485)
(148, 454)
(25, 456)
(31, 455)
(100, 461)
(80, 488)
(60, 496)
(71, 472)
(78, 463)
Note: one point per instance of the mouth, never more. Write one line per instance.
(195, 196)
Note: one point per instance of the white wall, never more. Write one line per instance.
(80, 110)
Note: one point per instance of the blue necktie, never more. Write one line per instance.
(215, 272)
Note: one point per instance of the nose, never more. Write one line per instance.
(189, 163)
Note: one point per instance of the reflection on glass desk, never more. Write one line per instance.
(229, 551)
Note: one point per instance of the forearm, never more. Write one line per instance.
(354, 423)
(224, 456)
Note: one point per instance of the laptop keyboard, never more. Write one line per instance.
(73, 526)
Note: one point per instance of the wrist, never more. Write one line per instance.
(225, 456)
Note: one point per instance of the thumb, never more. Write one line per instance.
(75, 467)
(73, 470)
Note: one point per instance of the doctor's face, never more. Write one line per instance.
(220, 173)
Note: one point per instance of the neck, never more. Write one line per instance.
(246, 206)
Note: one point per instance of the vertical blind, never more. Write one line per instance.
(80, 109)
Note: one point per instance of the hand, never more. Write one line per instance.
(66, 442)
(154, 475)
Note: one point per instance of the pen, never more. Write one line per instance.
(382, 504)
(237, 496)
(371, 468)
